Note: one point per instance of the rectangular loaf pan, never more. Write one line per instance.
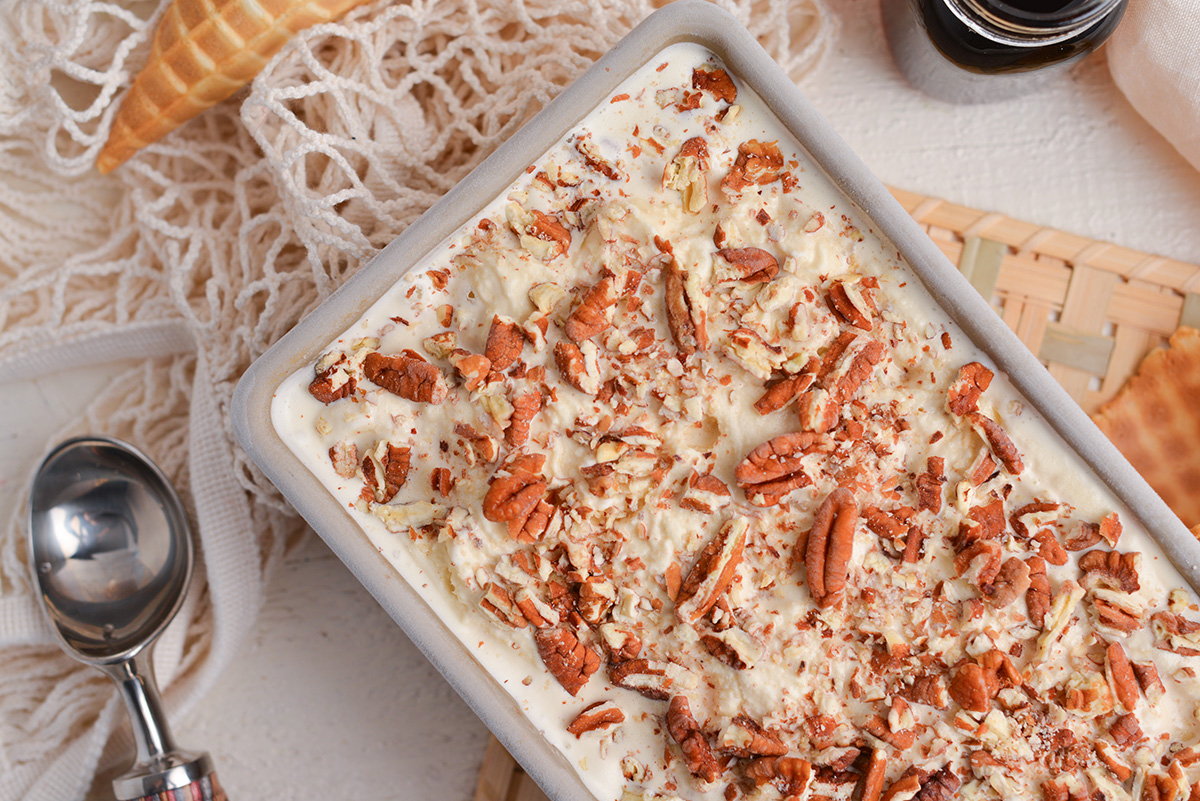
(685, 21)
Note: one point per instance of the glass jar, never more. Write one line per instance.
(974, 51)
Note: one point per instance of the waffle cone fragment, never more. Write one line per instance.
(1155, 421)
(203, 52)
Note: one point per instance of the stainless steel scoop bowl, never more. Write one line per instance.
(111, 554)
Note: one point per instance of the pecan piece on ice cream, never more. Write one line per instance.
(1002, 447)
(745, 738)
(599, 715)
(525, 405)
(1037, 597)
(1010, 583)
(567, 659)
(406, 375)
(716, 82)
(782, 392)
(1120, 676)
(773, 469)
(789, 775)
(973, 687)
(830, 544)
(549, 229)
(504, 343)
(642, 676)
(385, 469)
(713, 572)
(517, 499)
(594, 313)
(757, 163)
(323, 385)
(941, 786)
(684, 729)
(754, 265)
(963, 396)
(686, 323)
(1111, 569)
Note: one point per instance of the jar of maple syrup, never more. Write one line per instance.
(975, 51)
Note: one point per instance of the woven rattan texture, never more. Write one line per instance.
(1090, 310)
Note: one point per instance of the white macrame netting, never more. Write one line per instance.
(203, 250)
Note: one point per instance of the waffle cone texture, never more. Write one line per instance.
(203, 52)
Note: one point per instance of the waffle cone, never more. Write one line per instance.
(1155, 421)
(203, 52)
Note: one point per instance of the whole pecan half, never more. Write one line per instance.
(754, 265)
(504, 343)
(526, 405)
(745, 738)
(385, 469)
(594, 313)
(684, 729)
(686, 323)
(599, 715)
(1120, 676)
(406, 375)
(1037, 597)
(963, 396)
(1010, 583)
(830, 544)
(716, 82)
(515, 499)
(1118, 571)
(996, 438)
(973, 687)
(713, 572)
(567, 659)
(789, 775)
(773, 469)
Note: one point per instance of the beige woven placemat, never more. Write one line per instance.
(1090, 310)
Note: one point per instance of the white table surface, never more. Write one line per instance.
(328, 699)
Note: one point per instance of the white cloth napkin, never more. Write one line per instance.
(1154, 57)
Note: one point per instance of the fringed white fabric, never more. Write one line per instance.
(207, 247)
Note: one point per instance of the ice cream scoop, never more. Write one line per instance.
(111, 554)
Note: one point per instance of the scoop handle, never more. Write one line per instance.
(207, 788)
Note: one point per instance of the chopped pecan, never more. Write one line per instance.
(780, 393)
(343, 455)
(705, 493)
(567, 659)
(643, 676)
(852, 305)
(912, 545)
(472, 368)
(1125, 730)
(1120, 676)
(1037, 597)
(830, 544)
(997, 663)
(716, 82)
(929, 485)
(536, 611)
(963, 396)
(985, 522)
(757, 163)
(525, 405)
(753, 265)
(482, 445)
(549, 229)
(877, 726)
(575, 368)
(596, 597)
(441, 481)
(773, 469)
(713, 571)
(599, 715)
(906, 786)
(789, 775)
(504, 343)
(1116, 617)
(1087, 536)
(871, 786)
(686, 323)
(622, 644)
(1148, 680)
(1176, 633)
(983, 468)
(594, 161)
(1160, 787)
(1054, 791)
(684, 729)
(687, 174)
(723, 651)
(1002, 447)
(927, 690)
(941, 786)
(986, 550)
(390, 463)
(1049, 548)
(1118, 571)
(1110, 529)
(1011, 583)
(1106, 753)
(974, 687)
(745, 738)
(594, 313)
(498, 602)
(517, 500)
(891, 527)
(1086, 694)
(406, 375)
(323, 386)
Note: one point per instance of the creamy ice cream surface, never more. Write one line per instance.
(689, 459)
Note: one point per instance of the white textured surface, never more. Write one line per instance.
(328, 699)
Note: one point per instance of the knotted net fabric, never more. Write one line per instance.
(197, 255)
